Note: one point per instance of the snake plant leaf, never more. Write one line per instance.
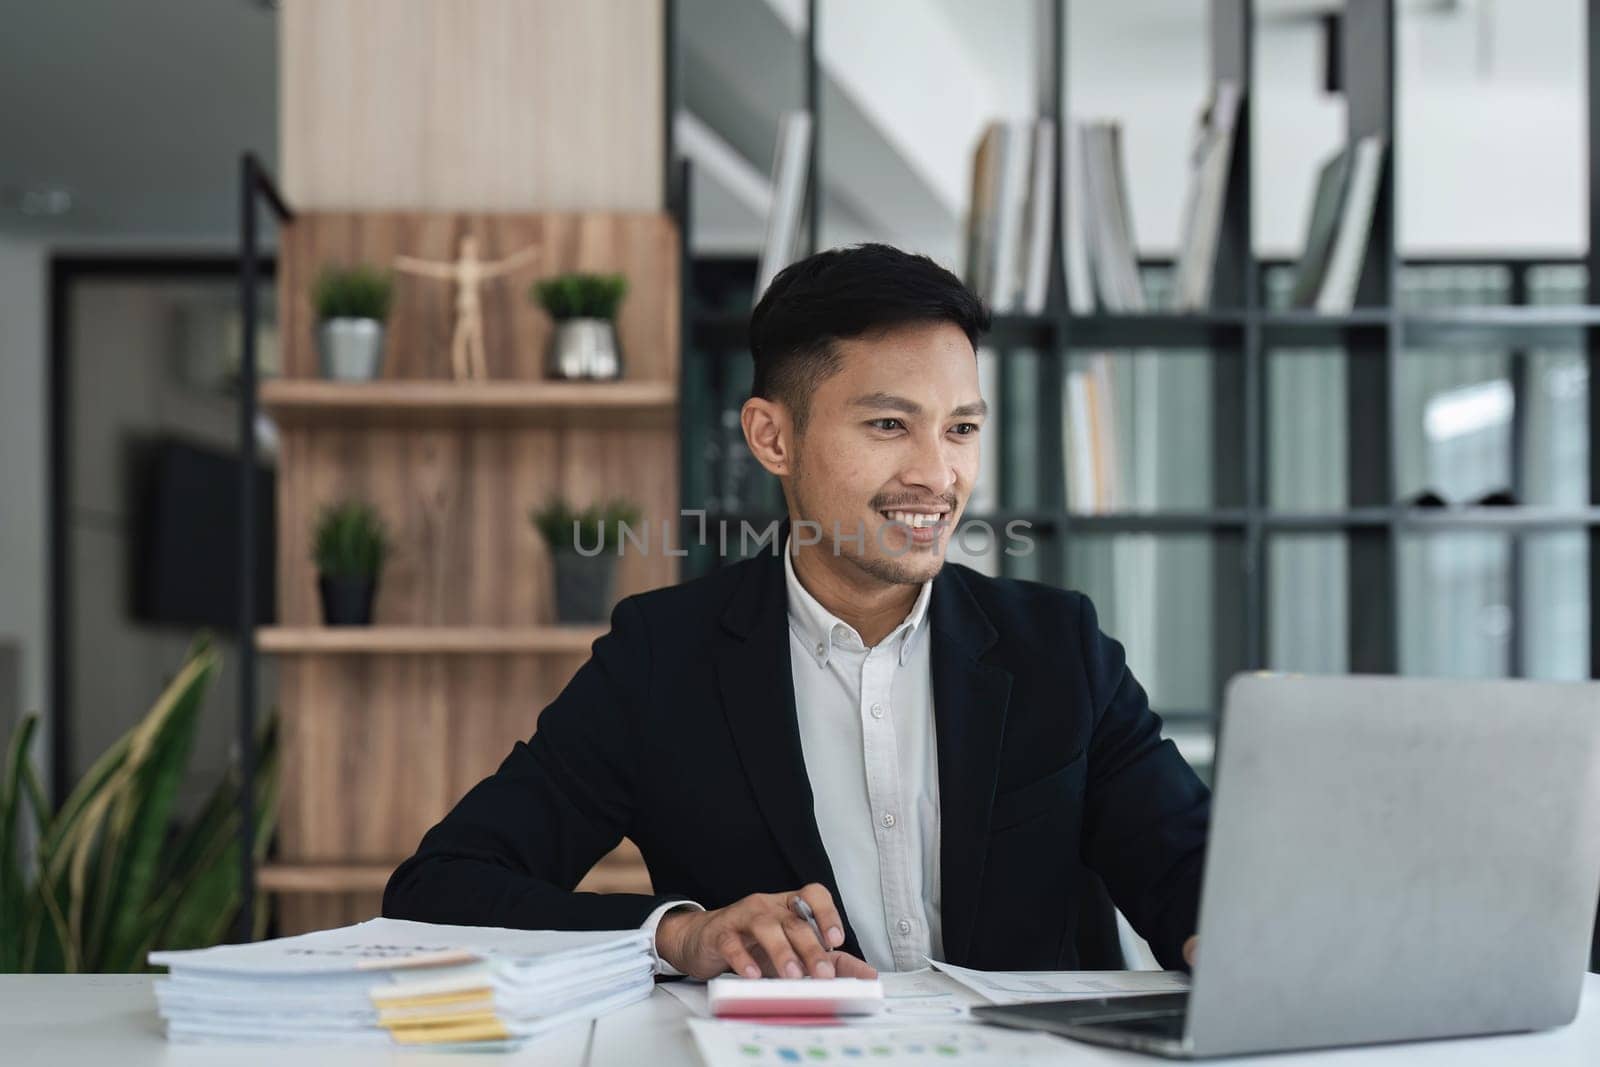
(13, 885)
(111, 880)
(142, 819)
(203, 894)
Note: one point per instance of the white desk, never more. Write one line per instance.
(90, 1020)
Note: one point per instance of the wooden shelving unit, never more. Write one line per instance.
(324, 877)
(385, 727)
(426, 640)
(618, 872)
(532, 403)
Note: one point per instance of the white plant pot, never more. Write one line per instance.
(584, 348)
(352, 349)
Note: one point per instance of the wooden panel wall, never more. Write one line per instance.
(472, 105)
(643, 247)
(377, 747)
(456, 501)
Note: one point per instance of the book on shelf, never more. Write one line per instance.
(1038, 228)
(1011, 215)
(1340, 227)
(1201, 228)
(1109, 237)
(1320, 227)
(1091, 462)
(790, 163)
(1074, 226)
(1349, 252)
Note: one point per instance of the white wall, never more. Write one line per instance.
(24, 562)
(1490, 112)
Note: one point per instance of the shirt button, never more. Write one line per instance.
(821, 649)
(903, 926)
(888, 819)
(877, 711)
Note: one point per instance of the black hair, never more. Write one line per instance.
(844, 293)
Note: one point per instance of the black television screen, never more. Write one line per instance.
(185, 555)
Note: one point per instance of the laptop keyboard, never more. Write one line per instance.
(1166, 1025)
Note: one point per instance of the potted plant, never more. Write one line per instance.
(349, 547)
(352, 304)
(114, 873)
(583, 545)
(584, 307)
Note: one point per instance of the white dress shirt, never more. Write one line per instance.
(867, 734)
(867, 731)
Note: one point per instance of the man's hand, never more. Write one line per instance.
(760, 935)
(1189, 948)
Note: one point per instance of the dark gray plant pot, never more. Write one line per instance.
(346, 601)
(584, 585)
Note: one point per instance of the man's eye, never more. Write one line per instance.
(885, 424)
(965, 429)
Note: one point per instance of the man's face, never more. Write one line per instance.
(890, 450)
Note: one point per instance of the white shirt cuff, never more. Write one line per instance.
(650, 924)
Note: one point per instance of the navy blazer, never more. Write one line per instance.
(680, 733)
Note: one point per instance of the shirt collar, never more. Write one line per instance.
(822, 631)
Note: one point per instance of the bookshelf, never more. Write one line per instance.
(1246, 339)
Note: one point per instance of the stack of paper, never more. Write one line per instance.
(388, 981)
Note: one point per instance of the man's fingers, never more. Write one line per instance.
(827, 915)
(847, 966)
(774, 941)
(730, 946)
(813, 954)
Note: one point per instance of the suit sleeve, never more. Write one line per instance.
(1146, 812)
(511, 851)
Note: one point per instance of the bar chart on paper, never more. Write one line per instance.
(732, 1045)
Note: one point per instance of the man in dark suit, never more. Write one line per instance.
(939, 763)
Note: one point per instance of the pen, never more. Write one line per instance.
(805, 913)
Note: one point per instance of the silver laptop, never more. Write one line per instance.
(1390, 859)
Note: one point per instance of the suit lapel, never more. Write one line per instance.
(756, 684)
(969, 707)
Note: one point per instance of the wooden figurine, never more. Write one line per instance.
(469, 273)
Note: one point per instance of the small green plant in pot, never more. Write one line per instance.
(352, 304)
(583, 546)
(584, 341)
(349, 545)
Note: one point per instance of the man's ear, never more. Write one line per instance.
(769, 431)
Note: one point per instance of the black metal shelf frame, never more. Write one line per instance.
(1245, 329)
(256, 188)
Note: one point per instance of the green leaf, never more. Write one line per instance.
(13, 884)
(597, 526)
(580, 296)
(199, 905)
(353, 293)
(112, 880)
(144, 819)
(349, 540)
